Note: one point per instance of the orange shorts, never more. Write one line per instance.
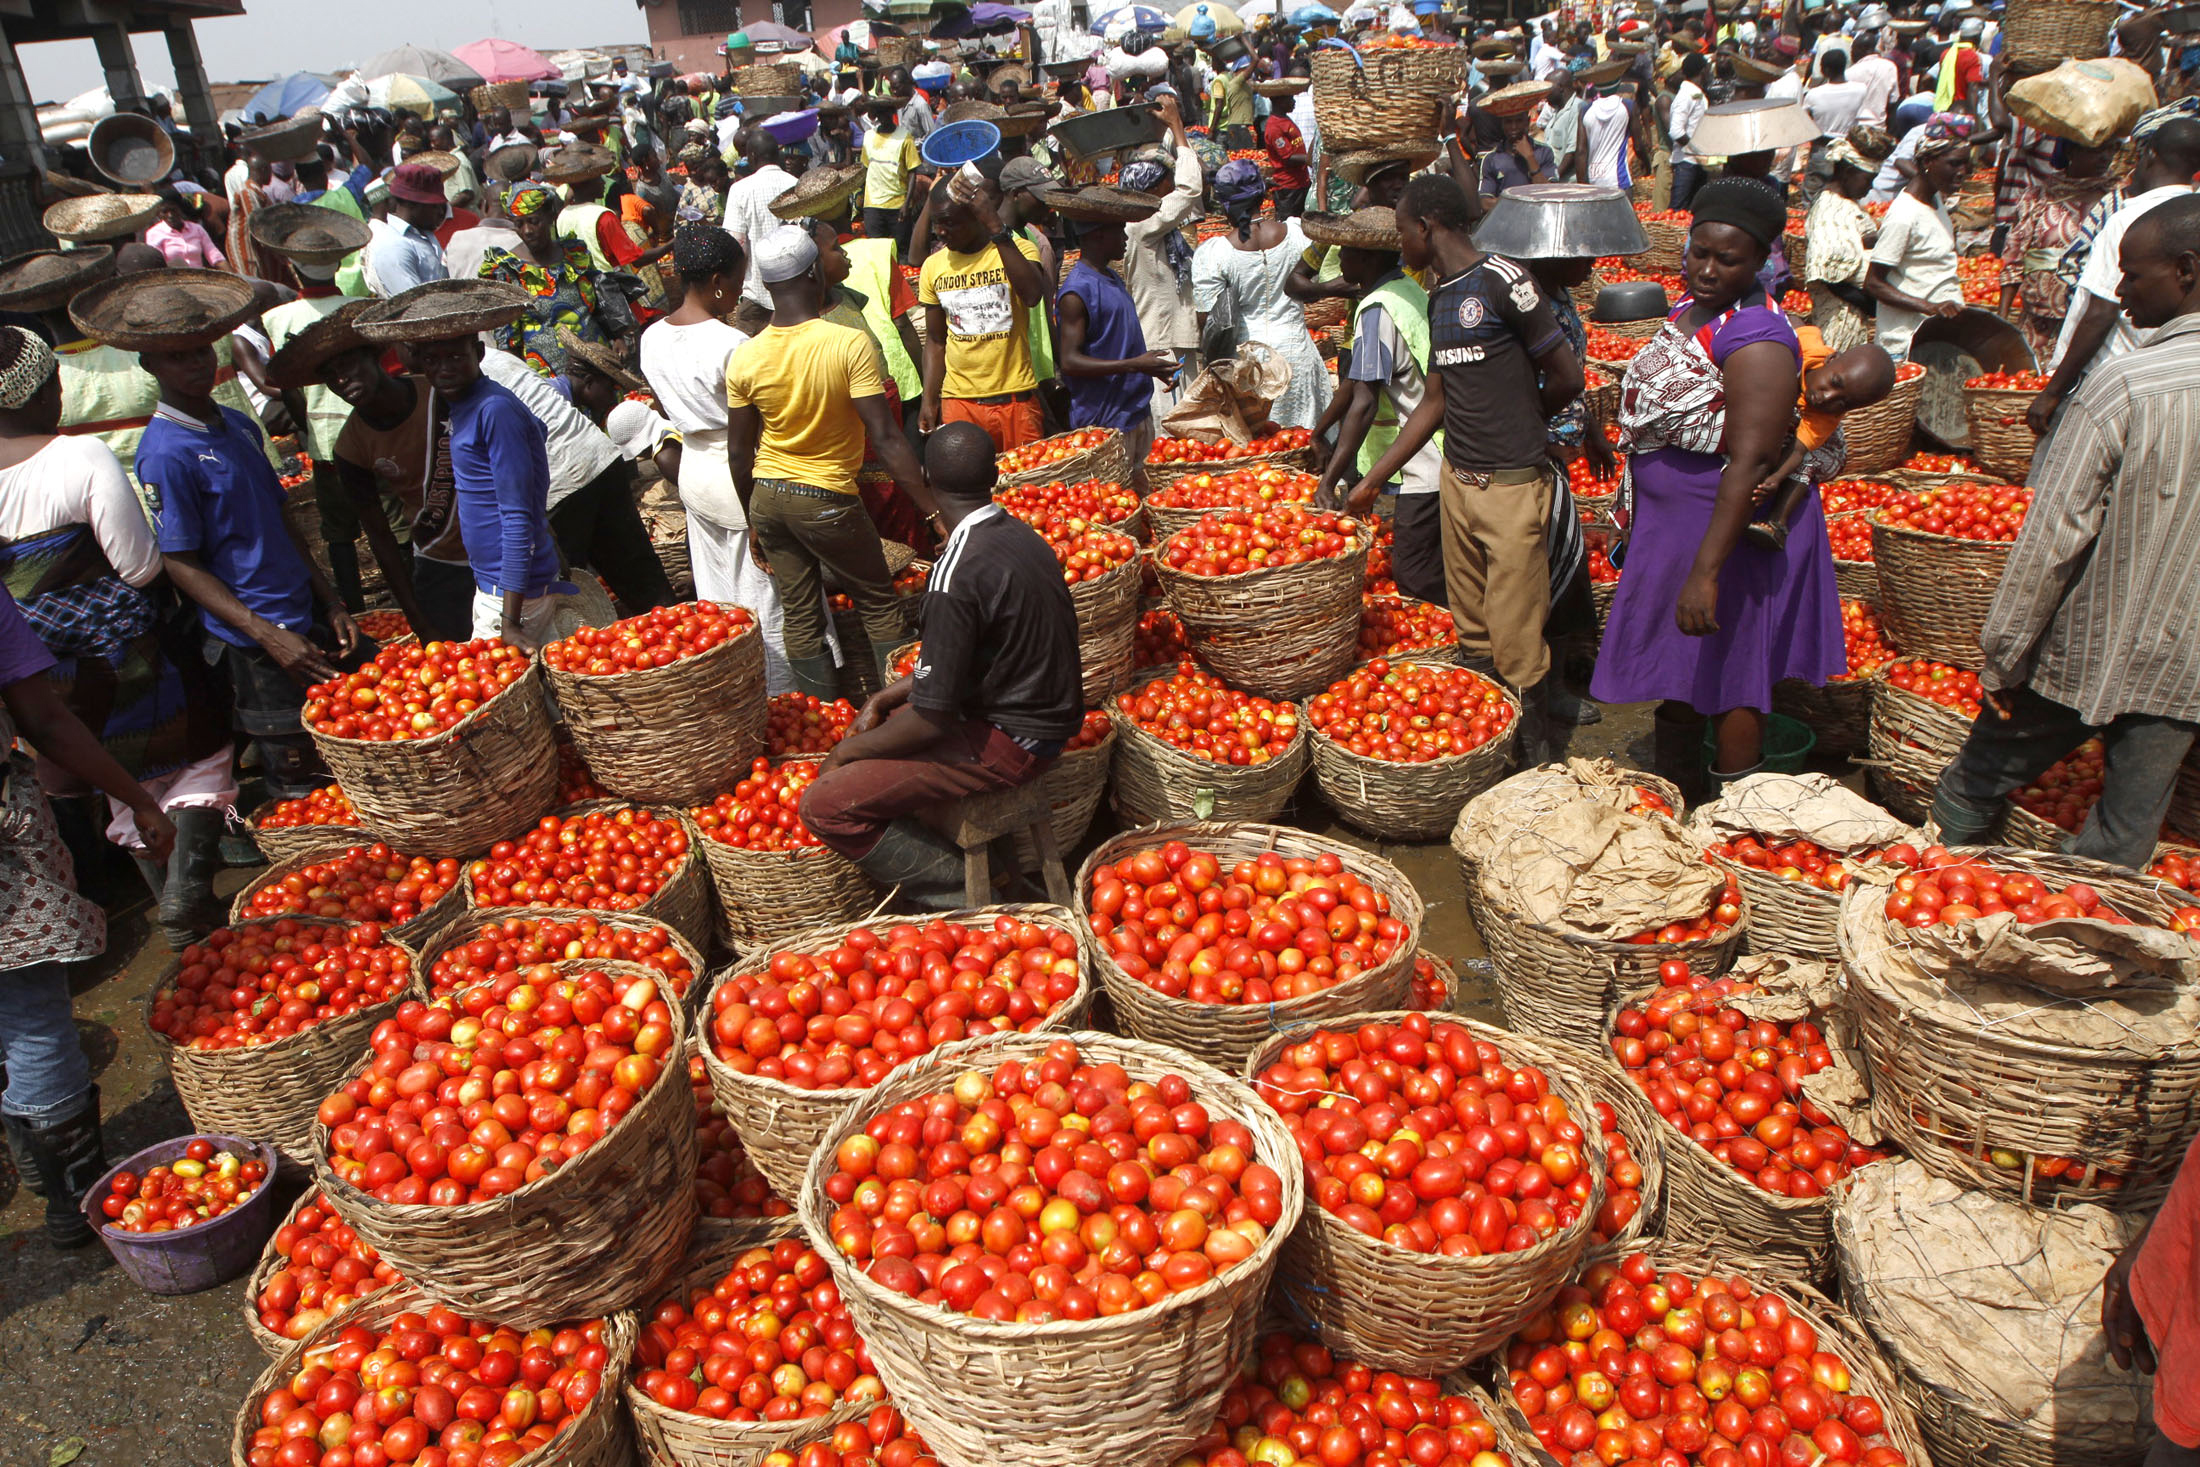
(1008, 424)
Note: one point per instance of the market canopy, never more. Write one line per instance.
(1126, 18)
(436, 66)
(983, 19)
(417, 94)
(768, 35)
(499, 60)
(286, 96)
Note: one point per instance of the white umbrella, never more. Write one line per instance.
(1255, 9)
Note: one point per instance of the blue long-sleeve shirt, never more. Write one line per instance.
(501, 468)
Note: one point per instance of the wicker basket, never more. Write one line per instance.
(1953, 1095)
(1224, 1034)
(2001, 440)
(682, 902)
(2026, 831)
(987, 1393)
(1601, 399)
(900, 51)
(1838, 713)
(1107, 629)
(271, 1344)
(281, 842)
(1878, 437)
(1604, 1082)
(415, 932)
(769, 79)
(606, 1229)
(472, 923)
(597, 1436)
(2041, 34)
(1427, 1313)
(1916, 480)
(1668, 243)
(1856, 580)
(1166, 521)
(1410, 802)
(1371, 99)
(1911, 740)
(779, 1124)
(507, 94)
(489, 776)
(1155, 780)
(1109, 461)
(1073, 785)
(676, 734)
(690, 1439)
(1934, 590)
(1279, 631)
(1600, 598)
(271, 1092)
(763, 896)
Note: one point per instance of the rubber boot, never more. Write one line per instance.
(1535, 726)
(925, 865)
(19, 1147)
(1677, 753)
(1563, 704)
(883, 654)
(238, 847)
(815, 676)
(188, 908)
(1716, 781)
(1958, 824)
(67, 1155)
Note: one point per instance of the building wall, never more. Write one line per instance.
(688, 33)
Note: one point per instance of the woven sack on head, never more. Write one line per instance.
(1155, 780)
(987, 1393)
(271, 1092)
(780, 1123)
(682, 901)
(506, 94)
(1911, 739)
(1878, 437)
(1224, 1034)
(1411, 802)
(1934, 590)
(487, 777)
(596, 1436)
(281, 842)
(1370, 99)
(1107, 626)
(415, 931)
(676, 734)
(1108, 461)
(2001, 440)
(1838, 713)
(606, 1229)
(271, 1344)
(1999, 1087)
(1281, 631)
(763, 896)
(1426, 1313)
(2045, 33)
(769, 79)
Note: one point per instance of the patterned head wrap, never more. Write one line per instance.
(1944, 133)
(701, 250)
(1239, 189)
(2152, 122)
(528, 198)
(32, 362)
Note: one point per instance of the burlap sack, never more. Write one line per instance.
(2088, 102)
(1229, 401)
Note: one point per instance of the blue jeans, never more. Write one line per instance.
(47, 1071)
(1687, 178)
(2005, 754)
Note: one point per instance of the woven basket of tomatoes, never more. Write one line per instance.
(1600, 394)
(440, 749)
(1089, 504)
(1101, 569)
(782, 1094)
(1399, 627)
(602, 856)
(1839, 1382)
(1941, 553)
(1629, 1136)
(1878, 437)
(261, 1019)
(1840, 712)
(772, 877)
(805, 726)
(1203, 489)
(1931, 470)
(1192, 748)
(1400, 746)
(571, 1419)
(1611, 348)
(1171, 459)
(1432, 1288)
(858, 673)
(1228, 995)
(413, 898)
(2001, 440)
(667, 706)
(481, 945)
(1668, 237)
(1072, 457)
(2094, 1098)
(1269, 598)
(1921, 712)
(1022, 1387)
(1855, 575)
(313, 1269)
(575, 1190)
(1793, 881)
(320, 821)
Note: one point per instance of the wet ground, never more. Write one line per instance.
(96, 1372)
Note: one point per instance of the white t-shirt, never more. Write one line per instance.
(1834, 106)
(79, 481)
(749, 218)
(1878, 77)
(1689, 105)
(1918, 247)
(2104, 271)
(1786, 87)
(468, 247)
(686, 368)
(578, 449)
(1604, 133)
(1888, 181)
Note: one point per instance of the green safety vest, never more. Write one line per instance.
(578, 222)
(1041, 336)
(326, 413)
(870, 274)
(1406, 303)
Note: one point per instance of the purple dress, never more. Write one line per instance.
(1779, 613)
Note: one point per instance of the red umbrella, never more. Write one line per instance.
(500, 60)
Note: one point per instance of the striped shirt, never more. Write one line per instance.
(2099, 608)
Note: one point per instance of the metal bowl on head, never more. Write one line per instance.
(1562, 221)
(1753, 127)
(1631, 300)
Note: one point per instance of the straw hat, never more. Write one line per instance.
(1023, 119)
(1358, 166)
(165, 310)
(576, 163)
(307, 232)
(100, 216)
(1100, 203)
(45, 279)
(1502, 69)
(512, 163)
(1373, 228)
(1492, 47)
(298, 364)
(1518, 98)
(600, 358)
(819, 192)
(1756, 73)
(442, 309)
(443, 163)
(973, 109)
(287, 141)
(1283, 86)
(1608, 71)
(64, 186)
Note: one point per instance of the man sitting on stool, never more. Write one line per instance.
(996, 692)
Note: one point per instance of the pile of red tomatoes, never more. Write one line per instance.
(1200, 715)
(195, 1188)
(1988, 512)
(328, 805)
(803, 723)
(1232, 542)
(1076, 506)
(1951, 687)
(1192, 451)
(414, 691)
(1245, 488)
(363, 884)
(656, 638)
(1864, 640)
(762, 812)
(1391, 626)
(1053, 450)
(608, 860)
(1411, 712)
(508, 944)
(325, 1270)
(247, 986)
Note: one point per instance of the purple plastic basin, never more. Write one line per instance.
(196, 1258)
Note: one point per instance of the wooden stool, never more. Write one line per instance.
(976, 822)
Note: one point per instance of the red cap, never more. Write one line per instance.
(416, 183)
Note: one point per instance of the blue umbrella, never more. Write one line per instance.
(1312, 14)
(284, 96)
(1129, 18)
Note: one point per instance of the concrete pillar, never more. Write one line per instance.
(18, 114)
(120, 63)
(191, 84)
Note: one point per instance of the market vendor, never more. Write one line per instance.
(994, 696)
(2150, 1312)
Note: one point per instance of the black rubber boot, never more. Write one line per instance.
(1716, 781)
(1958, 824)
(815, 676)
(1535, 726)
(925, 865)
(1677, 752)
(67, 1156)
(20, 1148)
(188, 907)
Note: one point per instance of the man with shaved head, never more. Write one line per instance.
(995, 693)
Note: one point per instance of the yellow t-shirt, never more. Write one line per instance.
(988, 348)
(804, 381)
(889, 158)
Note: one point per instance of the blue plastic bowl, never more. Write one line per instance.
(791, 127)
(960, 142)
(196, 1258)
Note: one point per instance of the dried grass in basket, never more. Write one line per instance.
(779, 1124)
(271, 1092)
(763, 896)
(2001, 440)
(599, 1234)
(1910, 740)
(1410, 802)
(1109, 461)
(596, 1438)
(988, 1393)
(682, 901)
(1427, 1313)
(1281, 631)
(691, 1439)
(488, 776)
(1371, 99)
(1878, 437)
(1984, 1105)
(1839, 713)
(1934, 590)
(1224, 1034)
(415, 931)
(281, 842)
(1155, 780)
(676, 734)
(271, 1344)
(1107, 629)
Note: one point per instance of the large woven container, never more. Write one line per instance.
(2042, 34)
(489, 776)
(676, 734)
(1107, 629)
(1910, 740)
(1839, 713)
(682, 901)
(1410, 802)
(281, 842)
(1878, 437)
(1224, 1034)
(1857, 580)
(2027, 831)
(1668, 242)
(1160, 476)
(769, 79)
(474, 922)
(780, 1123)
(1280, 631)
(763, 896)
(1955, 1093)
(414, 931)
(988, 1393)
(1109, 461)
(605, 1230)
(1596, 1074)
(1155, 780)
(1073, 786)
(1427, 1313)
(508, 94)
(1369, 99)
(597, 1437)
(271, 1092)
(271, 1344)
(2001, 440)
(1934, 590)
(1601, 398)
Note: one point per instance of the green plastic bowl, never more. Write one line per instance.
(1788, 742)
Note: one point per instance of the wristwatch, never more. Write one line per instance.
(1006, 239)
